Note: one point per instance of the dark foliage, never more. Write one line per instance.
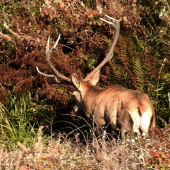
(141, 58)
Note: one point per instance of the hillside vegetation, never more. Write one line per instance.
(38, 129)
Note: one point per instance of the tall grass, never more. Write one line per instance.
(20, 120)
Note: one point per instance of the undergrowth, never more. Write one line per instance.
(20, 120)
(61, 153)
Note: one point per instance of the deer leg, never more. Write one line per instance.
(99, 130)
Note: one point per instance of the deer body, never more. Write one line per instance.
(121, 108)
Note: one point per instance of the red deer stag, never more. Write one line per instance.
(121, 108)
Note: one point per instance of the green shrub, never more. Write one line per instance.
(20, 120)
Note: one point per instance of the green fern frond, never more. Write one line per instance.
(139, 74)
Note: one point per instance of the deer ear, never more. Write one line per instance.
(75, 81)
(95, 78)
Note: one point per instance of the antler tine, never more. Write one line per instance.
(47, 75)
(116, 25)
(44, 74)
(112, 18)
(48, 51)
(57, 73)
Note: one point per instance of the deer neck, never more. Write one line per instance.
(89, 94)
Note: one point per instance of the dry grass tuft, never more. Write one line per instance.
(60, 153)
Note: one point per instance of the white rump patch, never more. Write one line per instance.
(145, 123)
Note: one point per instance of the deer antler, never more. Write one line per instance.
(116, 25)
(57, 73)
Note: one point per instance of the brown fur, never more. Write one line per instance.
(116, 106)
